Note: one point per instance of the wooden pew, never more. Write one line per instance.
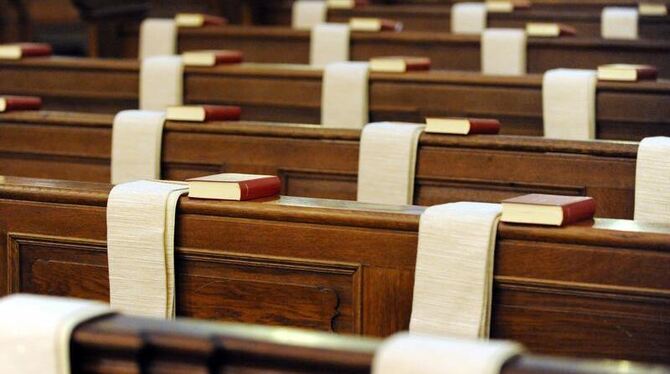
(591, 290)
(447, 51)
(437, 18)
(223, 347)
(323, 163)
(293, 94)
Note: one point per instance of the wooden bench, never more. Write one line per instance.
(223, 347)
(293, 94)
(592, 290)
(318, 162)
(437, 18)
(447, 51)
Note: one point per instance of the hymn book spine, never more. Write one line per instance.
(483, 126)
(35, 49)
(228, 57)
(578, 211)
(20, 103)
(259, 188)
(222, 113)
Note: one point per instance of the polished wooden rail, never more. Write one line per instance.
(447, 51)
(319, 162)
(293, 94)
(187, 346)
(597, 289)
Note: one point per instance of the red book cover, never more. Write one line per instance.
(8, 103)
(35, 49)
(417, 63)
(209, 20)
(580, 210)
(391, 25)
(646, 72)
(222, 113)
(565, 30)
(228, 57)
(575, 208)
(258, 188)
(484, 126)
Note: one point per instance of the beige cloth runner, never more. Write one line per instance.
(652, 181)
(503, 52)
(161, 82)
(619, 23)
(308, 13)
(35, 331)
(468, 18)
(344, 100)
(140, 247)
(387, 162)
(423, 354)
(329, 43)
(158, 37)
(137, 138)
(569, 104)
(454, 270)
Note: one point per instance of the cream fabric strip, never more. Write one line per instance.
(329, 43)
(423, 354)
(137, 138)
(503, 52)
(454, 270)
(468, 18)
(344, 100)
(619, 23)
(569, 104)
(140, 247)
(652, 181)
(387, 162)
(308, 13)
(161, 82)
(158, 37)
(35, 331)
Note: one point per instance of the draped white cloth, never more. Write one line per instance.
(454, 270)
(503, 52)
(137, 138)
(158, 37)
(652, 181)
(344, 97)
(468, 18)
(35, 331)
(329, 43)
(308, 13)
(619, 23)
(387, 162)
(161, 82)
(140, 247)
(425, 354)
(569, 104)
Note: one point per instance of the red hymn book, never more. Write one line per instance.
(555, 210)
(8, 103)
(230, 186)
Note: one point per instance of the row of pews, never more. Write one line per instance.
(315, 258)
(292, 93)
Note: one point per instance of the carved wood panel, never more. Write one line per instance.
(271, 291)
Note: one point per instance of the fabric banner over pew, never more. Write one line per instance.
(569, 104)
(619, 23)
(161, 82)
(652, 181)
(503, 52)
(140, 247)
(158, 37)
(410, 354)
(387, 162)
(468, 18)
(35, 331)
(308, 13)
(454, 270)
(329, 43)
(137, 138)
(344, 97)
